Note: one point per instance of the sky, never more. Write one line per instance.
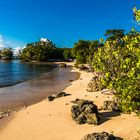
(62, 21)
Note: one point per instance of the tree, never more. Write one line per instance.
(93, 48)
(114, 34)
(38, 51)
(81, 51)
(7, 53)
(67, 53)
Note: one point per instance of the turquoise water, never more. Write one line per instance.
(14, 72)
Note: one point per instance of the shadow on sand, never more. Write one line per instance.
(105, 116)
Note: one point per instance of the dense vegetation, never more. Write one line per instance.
(44, 51)
(6, 53)
(84, 50)
(118, 61)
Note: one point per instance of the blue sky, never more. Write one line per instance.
(62, 21)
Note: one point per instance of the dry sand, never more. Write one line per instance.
(52, 120)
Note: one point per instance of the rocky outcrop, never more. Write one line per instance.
(94, 85)
(99, 136)
(110, 105)
(85, 112)
(60, 94)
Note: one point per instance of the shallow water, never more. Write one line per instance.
(36, 89)
(14, 72)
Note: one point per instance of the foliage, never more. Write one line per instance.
(136, 14)
(42, 51)
(119, 62)
(114, 34)
(68, 53)
(84, 51)
(6, 53)
(81, 51)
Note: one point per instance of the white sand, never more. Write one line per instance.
(52, 120)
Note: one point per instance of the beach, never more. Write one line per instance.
(52, 120)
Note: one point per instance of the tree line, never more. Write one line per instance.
(44, 51)
(38, 51)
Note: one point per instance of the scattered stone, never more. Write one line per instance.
(4, 114)
(85, 112)
(82, 67)
(77, 101)
(110, 105)
(70, 80)
(62, 65)
(99, 136)
(67, 103)
(94, 85)
(61, 94)
(51, 98)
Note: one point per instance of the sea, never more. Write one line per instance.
(24, 83)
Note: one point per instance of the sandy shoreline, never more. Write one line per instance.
(52, 120)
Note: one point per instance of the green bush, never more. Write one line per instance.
(119, 62)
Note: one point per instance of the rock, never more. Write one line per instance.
(62, 65)
(85, 112)
(82, 67)
(4, 114)
(60, 94)
(70, 80)
(81, 119)
(94, 85)
(51, 98)
(92, 119)
(110, 105)
(99, 136)
(75, 110)
(77, 101)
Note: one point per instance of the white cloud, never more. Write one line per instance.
(3, 43)
(16, 50)
(14, 44)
